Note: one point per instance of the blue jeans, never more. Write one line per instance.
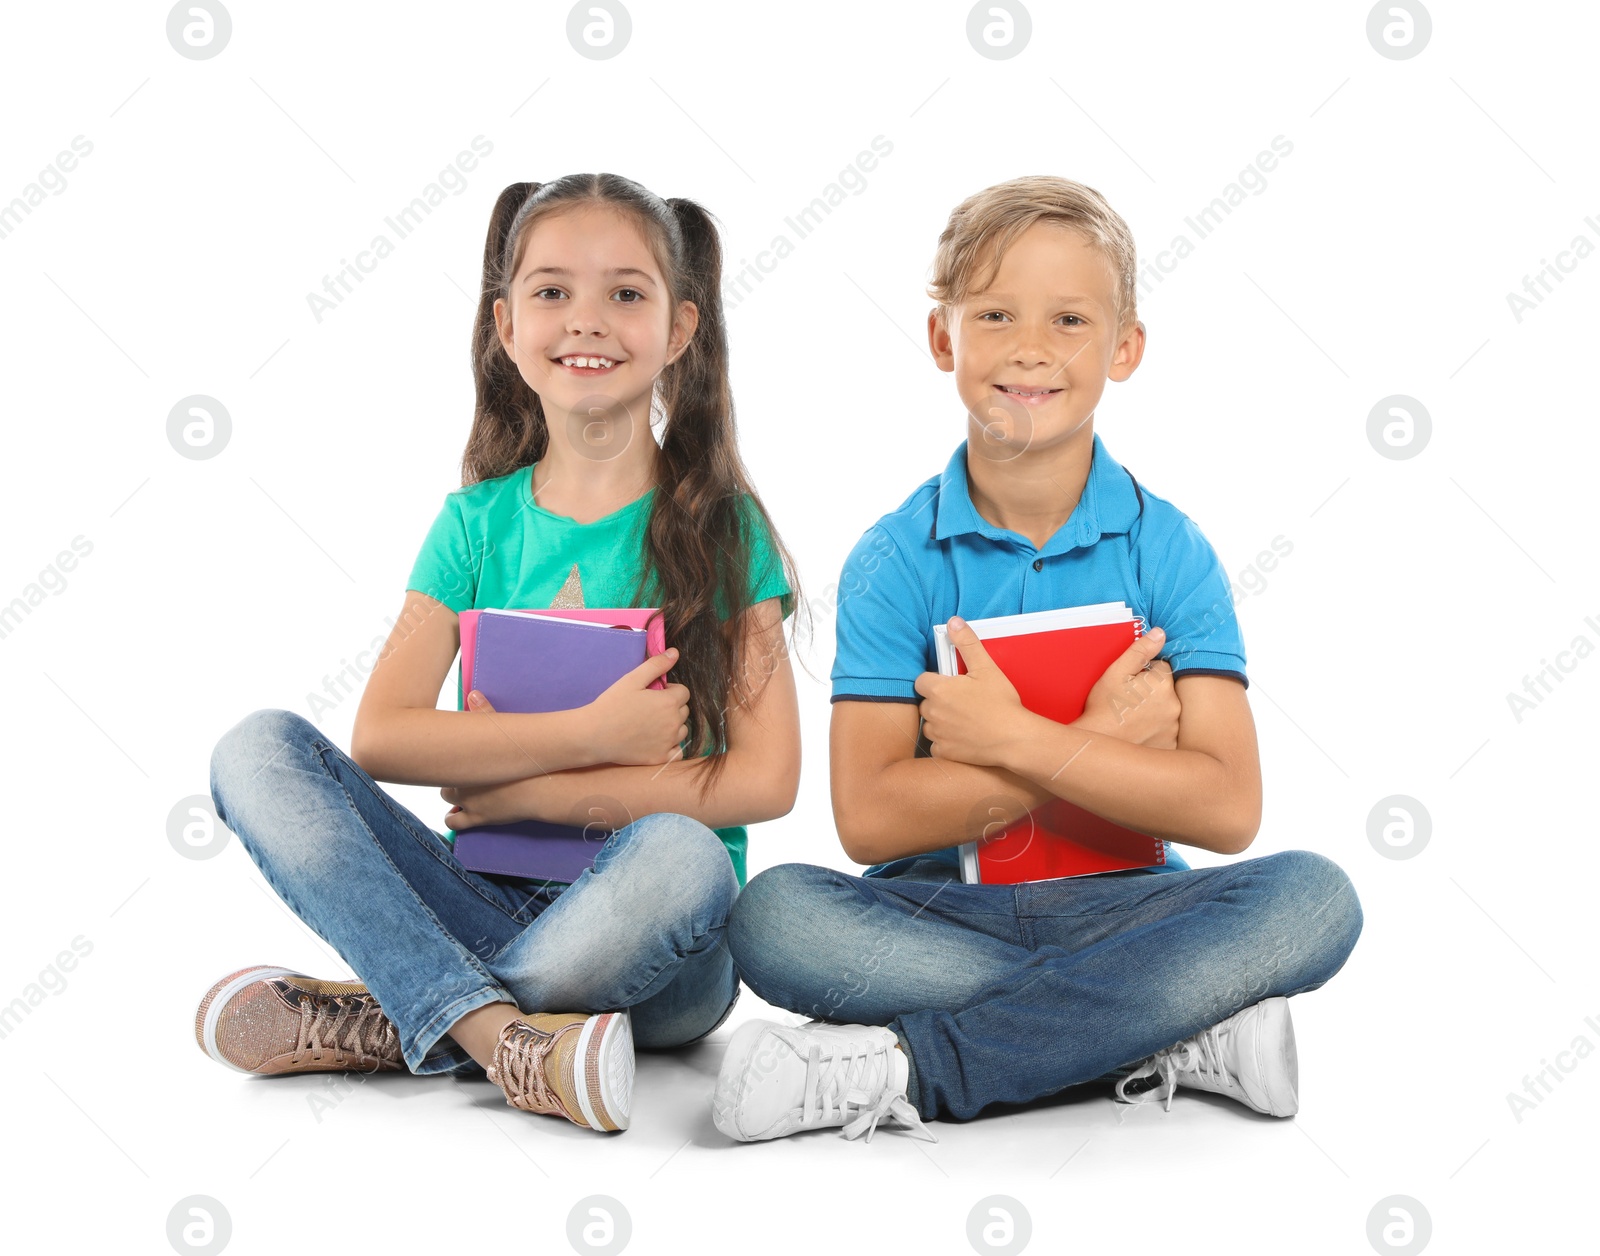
(1004, 994)
(644, 928)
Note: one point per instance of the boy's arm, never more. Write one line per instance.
(1201, 786)
(759, 780)
(1207, 793)
(888, 804)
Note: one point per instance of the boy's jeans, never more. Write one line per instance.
(643, 929)
(1004, 994)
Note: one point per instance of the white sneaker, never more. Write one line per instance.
(777, 1079)
(1249, 1057)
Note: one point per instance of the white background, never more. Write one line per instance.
(1419, 592)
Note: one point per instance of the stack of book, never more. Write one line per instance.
(1053, 658)
(547, 660)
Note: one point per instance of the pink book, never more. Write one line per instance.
(623, 617)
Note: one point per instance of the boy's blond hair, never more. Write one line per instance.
(988, 222)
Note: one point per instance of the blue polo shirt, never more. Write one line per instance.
(936, 556)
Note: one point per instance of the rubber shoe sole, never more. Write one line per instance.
(1275, 1060)
(210, 1010)
(604, 1080)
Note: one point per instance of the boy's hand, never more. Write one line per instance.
(972, 718)
(1133, 703)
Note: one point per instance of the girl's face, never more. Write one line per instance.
(588, 321)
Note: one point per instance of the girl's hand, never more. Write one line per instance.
(473, 805)
(1134, 704)
(632, 724)
(972, 718)
(479, 804)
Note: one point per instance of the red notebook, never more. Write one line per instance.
(1053, 658)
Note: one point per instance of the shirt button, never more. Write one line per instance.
(1038, 564)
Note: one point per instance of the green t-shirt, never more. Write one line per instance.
(492, 545)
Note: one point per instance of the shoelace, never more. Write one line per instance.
(1201, 1054)
(367, 1032)
(520, 1057)
(855, 1083)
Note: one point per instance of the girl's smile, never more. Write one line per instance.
(588, 364)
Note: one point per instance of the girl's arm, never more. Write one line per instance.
(759, 780)
(400, 736)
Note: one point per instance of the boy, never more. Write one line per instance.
(933, 998)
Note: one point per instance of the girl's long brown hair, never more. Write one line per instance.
(697, 540)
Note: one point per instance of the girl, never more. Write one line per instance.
(600, 307)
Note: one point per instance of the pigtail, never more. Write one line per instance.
(508, 424)
(700, 377)
(698, 544)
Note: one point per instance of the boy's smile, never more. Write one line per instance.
(1028, 396)
(1031, 352)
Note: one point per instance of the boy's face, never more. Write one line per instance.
(1032, 352)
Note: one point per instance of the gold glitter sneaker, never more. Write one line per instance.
(271, 1020)
(568, 1064)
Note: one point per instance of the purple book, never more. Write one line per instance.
(532, 663)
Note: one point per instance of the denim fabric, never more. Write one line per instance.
(1007, 993)
(643, 929)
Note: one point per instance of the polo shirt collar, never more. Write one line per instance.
(1109, 505)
